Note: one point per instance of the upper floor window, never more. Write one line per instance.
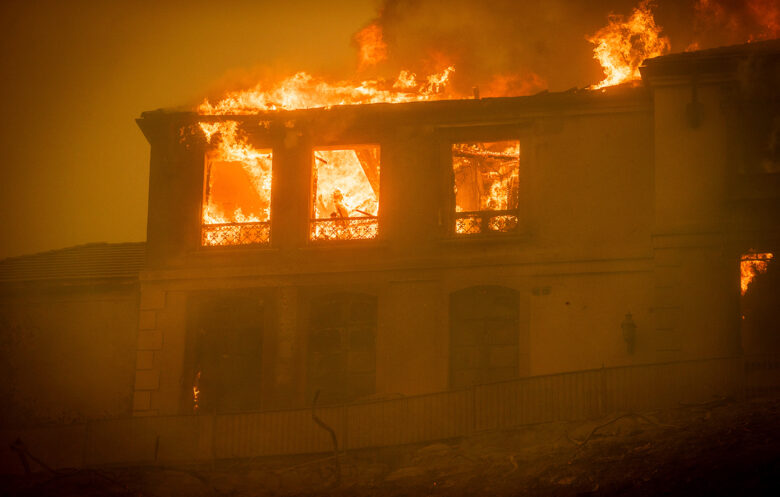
(237, 190)
(486, 186)
(345, 189)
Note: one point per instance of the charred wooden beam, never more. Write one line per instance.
(485, 155)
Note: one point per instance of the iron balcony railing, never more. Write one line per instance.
(344, 228)
(226, 234)
(487, 221)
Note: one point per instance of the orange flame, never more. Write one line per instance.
(372, 48)
(346, 193)
(624, 44)
(304, 91)
(238, 183)
(486, 179)
(751, 265)
(300, 91)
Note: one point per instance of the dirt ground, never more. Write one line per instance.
(720, 448)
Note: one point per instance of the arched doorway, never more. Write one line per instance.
(227, 343)
(484, 335)
(342, 355)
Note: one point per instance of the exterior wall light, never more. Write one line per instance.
(629, 332)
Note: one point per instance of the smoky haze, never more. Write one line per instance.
(547, 38)
(76, 75)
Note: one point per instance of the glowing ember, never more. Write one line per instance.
(346, 193)
(751, 265)
(237, 193)
(624, 44)
(486, 185)
(303, 91)
(196, 393)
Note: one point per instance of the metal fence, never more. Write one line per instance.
(539, 399)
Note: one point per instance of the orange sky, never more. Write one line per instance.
(76, 74)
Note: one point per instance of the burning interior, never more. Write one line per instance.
(751, 265)
(487, 176)
(345, 190)
(760, 283)
(237, 189)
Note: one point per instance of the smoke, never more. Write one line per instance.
(498, 46)
(726, 22)
(540, 44)
(508, 47)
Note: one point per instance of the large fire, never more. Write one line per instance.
(237, 193)
(237, 201)
(304, 91)
(486, 186)
(624, 44)
(346, 193)
(751, 265)
(237, 196)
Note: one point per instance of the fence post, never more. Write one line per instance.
(345, 427)
(602, 392)
(473, 409)
(85, 448)
(214, 439)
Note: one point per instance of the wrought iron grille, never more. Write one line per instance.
(470, 223)
(344, 228)
(214, 235)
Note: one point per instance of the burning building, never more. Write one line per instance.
(403, 248)
(406, 248)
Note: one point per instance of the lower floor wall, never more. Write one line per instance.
(537, 399)
(67, 352)
(383, 335)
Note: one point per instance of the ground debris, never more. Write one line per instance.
(734, 451)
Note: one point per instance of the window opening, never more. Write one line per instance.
(228, 339)
(759, 293)
(752, 264)
(237, 189)
(486, 186)
(345, 186)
